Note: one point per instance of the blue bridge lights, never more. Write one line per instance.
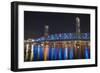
(64, 36)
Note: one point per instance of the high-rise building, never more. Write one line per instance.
(46, 31)
(78, 36)
(78, 27)
(46, 45)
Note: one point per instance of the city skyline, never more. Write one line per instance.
(50, 36)
(57, 22)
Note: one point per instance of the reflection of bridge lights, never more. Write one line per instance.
(86, 53)
(57, 50)
(71, 53)
(41, 44)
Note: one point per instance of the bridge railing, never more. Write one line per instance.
(65, 36)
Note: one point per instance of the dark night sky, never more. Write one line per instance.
(34, 23)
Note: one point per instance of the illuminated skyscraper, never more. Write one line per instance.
(78, 36)
(46, 31)
(78, 27)
(46, 47)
